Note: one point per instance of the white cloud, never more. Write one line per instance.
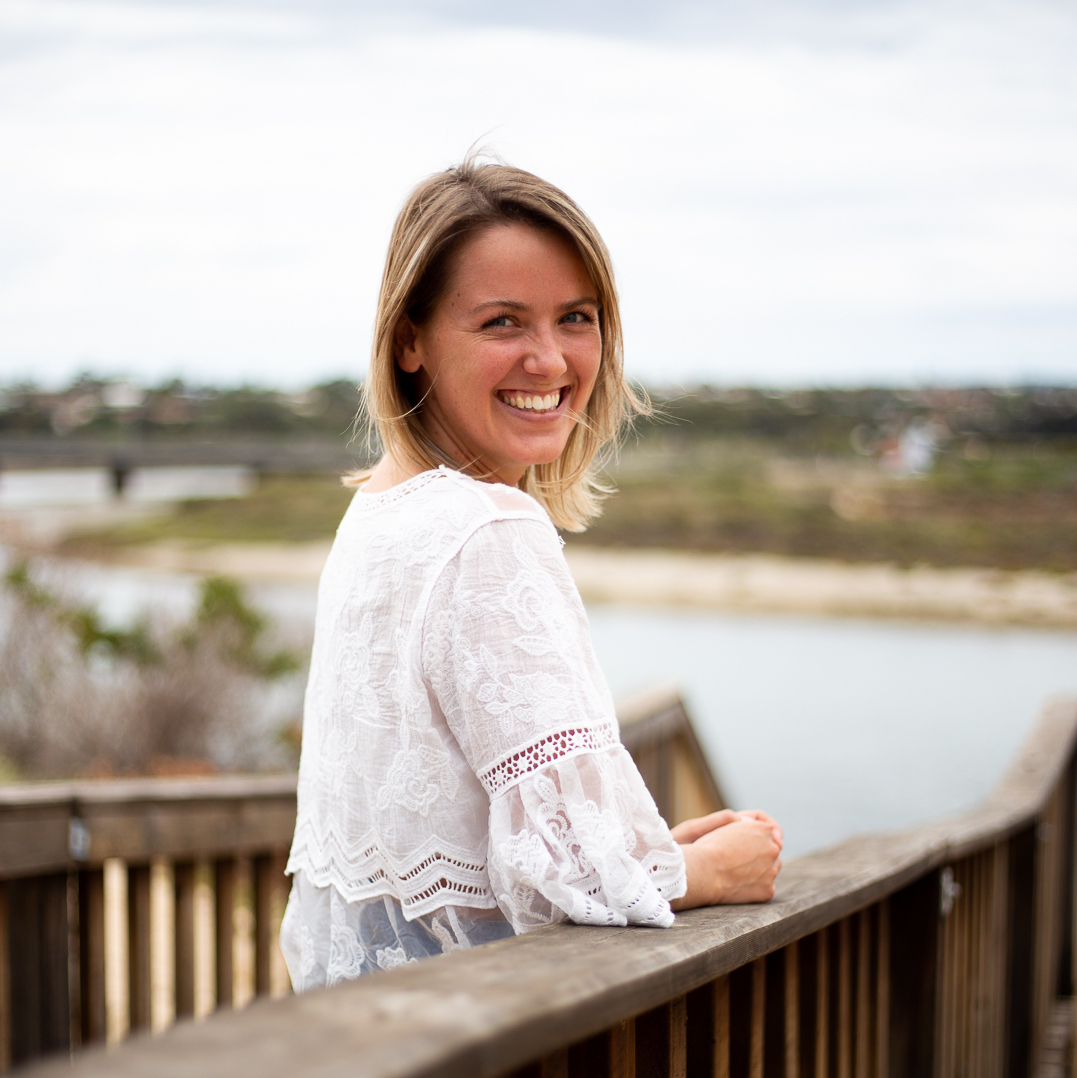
(208, 191)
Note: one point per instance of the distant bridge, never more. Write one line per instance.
(307, 456)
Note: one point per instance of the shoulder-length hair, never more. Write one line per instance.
(442, 213)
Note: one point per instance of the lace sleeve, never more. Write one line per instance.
(574, 833)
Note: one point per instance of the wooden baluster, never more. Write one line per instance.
(138, 923)
(960, 972)
(5, 984)
(947, 976)
(882, 991)
(721, 1027)
(117, 951)
(792, 1011)
(678, 1037)
(822, 1004)
(623, 1049)
(996, 951)
(225, 872)
(162, 945)
(863, 996)
(590, 1058)
(72, 945)
(184, 876)
(243, 941)
(978, 1000)
(555, 1065)
(40, 910)
(707, 1049)
(661, 1041)
(271, 890)
(845, 1000)
(759, 1018)
(204, 940)
(92, 956)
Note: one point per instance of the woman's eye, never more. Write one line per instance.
(500, 322)
(576, 317)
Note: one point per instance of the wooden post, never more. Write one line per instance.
(117, 952)
(162, 945)
(243, 941)
(204, 931)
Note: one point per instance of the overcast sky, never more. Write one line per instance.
(793, 193)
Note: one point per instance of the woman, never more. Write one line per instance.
(461, 777)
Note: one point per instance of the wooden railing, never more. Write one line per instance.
(939, 952)
(127, 904)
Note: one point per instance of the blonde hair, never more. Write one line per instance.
(441, 214)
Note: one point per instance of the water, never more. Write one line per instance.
(843, 726)
(834, 726)
(23, 489)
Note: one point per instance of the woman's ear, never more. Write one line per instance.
(406, 346)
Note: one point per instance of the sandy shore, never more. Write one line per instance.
(748, 582)
(761, 582)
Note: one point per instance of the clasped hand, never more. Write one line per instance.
(729, 857)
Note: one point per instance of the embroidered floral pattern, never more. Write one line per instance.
(459, 748)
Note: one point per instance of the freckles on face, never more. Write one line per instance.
(510, 355)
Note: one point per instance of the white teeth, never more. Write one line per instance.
(534, 404)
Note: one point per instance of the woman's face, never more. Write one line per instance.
(510, 354)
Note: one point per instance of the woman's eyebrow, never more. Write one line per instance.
(511, 304)
(516, 305)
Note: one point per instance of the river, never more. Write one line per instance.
(835, 726)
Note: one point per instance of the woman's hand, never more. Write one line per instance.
(729, 857)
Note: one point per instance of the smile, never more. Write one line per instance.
(531, 402)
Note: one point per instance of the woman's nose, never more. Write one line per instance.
(544, 359)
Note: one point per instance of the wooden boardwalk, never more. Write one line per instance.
(944, 951)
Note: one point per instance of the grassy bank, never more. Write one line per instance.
(283, 508)
(1015, 508)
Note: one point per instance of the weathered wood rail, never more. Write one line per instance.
(941, 951)
(125, 905)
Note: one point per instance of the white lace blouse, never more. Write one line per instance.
(461, 775)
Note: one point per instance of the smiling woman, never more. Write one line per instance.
(502, 271)
(461, 776)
